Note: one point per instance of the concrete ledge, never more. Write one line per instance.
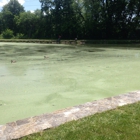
(20, 128)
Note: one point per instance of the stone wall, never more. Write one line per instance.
(35, 124)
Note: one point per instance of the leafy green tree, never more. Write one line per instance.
(134, 19)
(60, 17)
(1, 23)
(9, 11)
(7, 34)
(92, 15)
(27, 23)
(85, 19)
(47, 18)
(79, 12)
(14, 7)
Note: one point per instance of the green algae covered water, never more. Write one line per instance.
(69, 75)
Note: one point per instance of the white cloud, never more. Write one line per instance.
(32, 11)
(3, 2)
(21, 2)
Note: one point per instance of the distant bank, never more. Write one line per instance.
(47, 41)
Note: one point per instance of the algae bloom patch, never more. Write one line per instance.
(45, 78)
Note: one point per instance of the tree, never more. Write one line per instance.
(28, 23)
(9, 11)
(88, 19)
(92, 15)
(61, 16)
(14, 7)
(7, 34)
(1, 23)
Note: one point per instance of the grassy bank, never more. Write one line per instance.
(122, 123)
(27, 40)
(53, 41)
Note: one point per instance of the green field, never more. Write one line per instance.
(70, 75)
(122, 123)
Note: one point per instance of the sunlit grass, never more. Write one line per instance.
(122, 123)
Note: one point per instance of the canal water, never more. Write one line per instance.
(43, 78)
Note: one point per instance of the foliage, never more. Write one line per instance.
(1, 36)
(19, 36)
(90, 19)
(84, 19)
(27, 23)
(9, 11)
(7, 34)
(121, 123)
(14, 7)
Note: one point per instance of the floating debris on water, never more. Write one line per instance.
(45, 57)
(13, 61)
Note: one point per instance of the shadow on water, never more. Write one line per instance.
(69, 51)
(94, 50)
(12, 50)
(125, 46)
(8, 50)
(116, 46)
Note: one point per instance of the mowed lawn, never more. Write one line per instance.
(122, 123)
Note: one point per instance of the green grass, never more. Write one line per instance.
(122, 123)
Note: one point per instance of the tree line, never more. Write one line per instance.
(82, 19)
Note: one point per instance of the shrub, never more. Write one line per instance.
(7, 34)
(19, 36)
(1, 36)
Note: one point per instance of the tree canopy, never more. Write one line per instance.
(83, 19)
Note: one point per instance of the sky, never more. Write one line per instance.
(29, 5)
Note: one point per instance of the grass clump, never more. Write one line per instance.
(122, 123)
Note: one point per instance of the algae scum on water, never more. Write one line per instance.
(45, 78)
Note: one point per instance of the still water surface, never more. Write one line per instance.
(70, 75)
